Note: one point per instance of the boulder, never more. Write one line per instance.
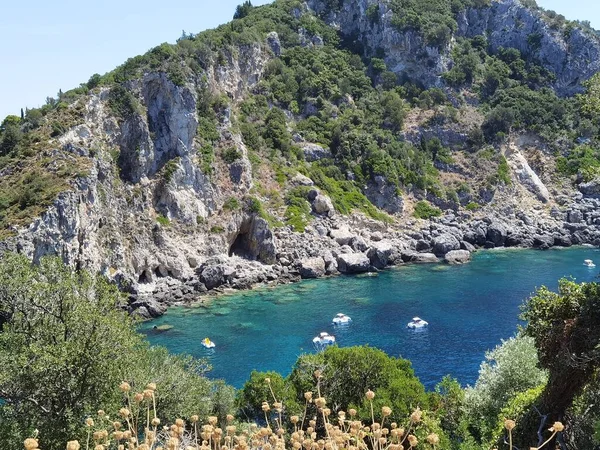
(301, 180)
(496, 234)
(464, 245)
(376, 236)
(342, 235)
(543, 241)
(323, 205)
(574, 216)
(312, 267)
(419, 258)
(353, 263)
(314, 152)
(445, 243)
(562, 240)
(457, 257)
(212, 276)
(331, 265)
(379, 254)
(591, 187)
(358, 244)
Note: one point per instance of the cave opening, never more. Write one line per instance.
(144, 278)
(241, 247)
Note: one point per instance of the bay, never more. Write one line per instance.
(470, 309)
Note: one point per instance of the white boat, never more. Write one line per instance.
(206, 342)
(417, 322)
(589, 263)
(341, 319)
(323, 340)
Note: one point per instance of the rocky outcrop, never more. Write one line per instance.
(572, 57)
(525, 174)
(590, 188)
(457, 257)
(353, 263)
(312, 268)
(384, 195)
(444, 244)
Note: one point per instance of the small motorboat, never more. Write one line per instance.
(323, 340)
(341, 319)
(417, 322)
(206, 342)
(589, 263)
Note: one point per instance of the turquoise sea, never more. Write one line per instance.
(470, 309)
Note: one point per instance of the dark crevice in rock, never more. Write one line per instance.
(241, 247)
(144, 277)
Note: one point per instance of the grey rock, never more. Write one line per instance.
(380, 254)
(384, 195)
(323, 205)
(543, 241)
(274, 43)
(358, 244)
(591, 187)
(376, 236)
(497, 233)
(312, 267)
(314, 152)
(445, 243)
(353, 263)
(468, 247)
(423, 245)
(212, 276)
(419, 258)
(341, 235)
(457, 257)
(301, 180)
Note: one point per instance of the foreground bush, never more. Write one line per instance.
(65, 343)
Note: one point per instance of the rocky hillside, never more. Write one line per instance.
(308, 139)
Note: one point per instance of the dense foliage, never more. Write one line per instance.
(65, 343)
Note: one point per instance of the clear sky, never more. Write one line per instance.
(52, 45)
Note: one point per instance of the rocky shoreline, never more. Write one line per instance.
(355, 244)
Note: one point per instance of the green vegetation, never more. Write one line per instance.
(164, 221)
(424, 210)
(583, 160)
(298, 211)
(231, 204)
(434, 19)
(65, 343)
(53, 319)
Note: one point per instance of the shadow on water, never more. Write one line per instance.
(470, 309)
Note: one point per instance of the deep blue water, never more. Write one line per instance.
(470, 309)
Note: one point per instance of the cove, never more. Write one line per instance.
(470, 309)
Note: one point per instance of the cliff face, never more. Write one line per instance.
(108, 222)
(167, 222)
(573, 57)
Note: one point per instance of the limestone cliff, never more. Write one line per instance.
(169, 214)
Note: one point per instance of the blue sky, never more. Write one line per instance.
(49, 46)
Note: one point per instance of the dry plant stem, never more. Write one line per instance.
(304, 415)
(510, 439)
(87, 445)
(547, 440)
(407, 432)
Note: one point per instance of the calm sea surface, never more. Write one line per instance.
(470, 309)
